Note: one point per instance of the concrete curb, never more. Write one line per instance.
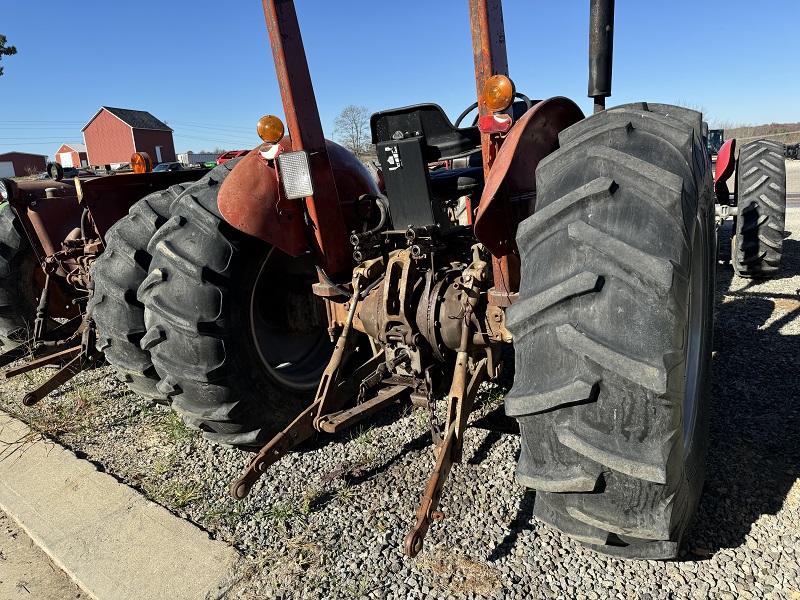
(110, 539)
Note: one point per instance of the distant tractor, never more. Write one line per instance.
(716, 137)
(289, 292)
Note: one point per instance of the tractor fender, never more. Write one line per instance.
(726, 165)
(252, 199)
(510, 190)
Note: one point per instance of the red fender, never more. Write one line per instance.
(510, 190)
(726, 164)
(725, 161)
(252, 200)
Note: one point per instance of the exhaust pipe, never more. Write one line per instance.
(601, 51)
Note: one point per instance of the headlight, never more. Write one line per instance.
(3, 190)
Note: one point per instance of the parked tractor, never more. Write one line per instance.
(716, 137)
(289, 292)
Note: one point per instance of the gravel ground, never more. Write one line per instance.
(329, 521)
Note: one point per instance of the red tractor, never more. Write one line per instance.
(288, 292)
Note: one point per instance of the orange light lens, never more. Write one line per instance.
(141, 162)
(498, 93)
(270, 129)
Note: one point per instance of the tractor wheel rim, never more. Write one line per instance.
(310, 352)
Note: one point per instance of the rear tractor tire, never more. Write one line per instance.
(761, 198)
(117, 274)
(234, 331)
(612, 331)
(19, 281)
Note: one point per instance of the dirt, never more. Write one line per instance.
(26, 571)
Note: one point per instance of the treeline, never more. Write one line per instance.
(773, 131)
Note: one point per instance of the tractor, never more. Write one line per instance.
(292, 292)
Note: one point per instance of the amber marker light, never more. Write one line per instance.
(498, 93)
(141, 162)
(270, 129)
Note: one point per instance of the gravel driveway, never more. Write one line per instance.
(329, 521)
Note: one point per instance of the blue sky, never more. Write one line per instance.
(206, 69)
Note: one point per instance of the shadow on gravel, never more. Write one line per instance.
(521, 522)
(754, 454)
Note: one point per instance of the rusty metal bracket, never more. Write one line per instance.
(50, 359)
(334, 422)
(461, 401)
(299, 430)
(40, 323)
(67, 372)
(78, 358)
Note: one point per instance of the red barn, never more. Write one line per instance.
(19, 164)
(72, 155)
(114, 134)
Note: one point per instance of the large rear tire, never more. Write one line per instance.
(19, 290)
(761, 198)
(117, 274)
(232, 326)
(612, 332)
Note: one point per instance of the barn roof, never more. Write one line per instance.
(76, 146)
(23, 153)
(135, 119)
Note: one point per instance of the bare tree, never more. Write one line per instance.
(351, 129)
(5, 50)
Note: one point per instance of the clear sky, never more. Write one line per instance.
(205, 67)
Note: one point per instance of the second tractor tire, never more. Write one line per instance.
(234, 331)
(761, 199)
(117, 274)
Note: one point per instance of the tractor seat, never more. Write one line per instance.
(440, 139)
(452, 183)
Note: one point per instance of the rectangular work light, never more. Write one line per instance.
(296, 174)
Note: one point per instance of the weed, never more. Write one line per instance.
(346, 494)
(362, 437)
(221, 513)
(84, 394)
(175, 429)
(311, 499)
(185, 492)
(361, 590)
(283, 514)
(421, 418)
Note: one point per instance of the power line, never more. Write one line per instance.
(218, 127)
(218, 141)
(45, 122)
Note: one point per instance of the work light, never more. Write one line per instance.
(295, 172)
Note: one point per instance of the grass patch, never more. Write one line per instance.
(346, 494)
(175, 429)
(363, 437)
(284, 514)
(162, 484)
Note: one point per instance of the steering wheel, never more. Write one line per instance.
(474, 105)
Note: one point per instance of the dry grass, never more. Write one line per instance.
(459, 574)
(298, 556)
